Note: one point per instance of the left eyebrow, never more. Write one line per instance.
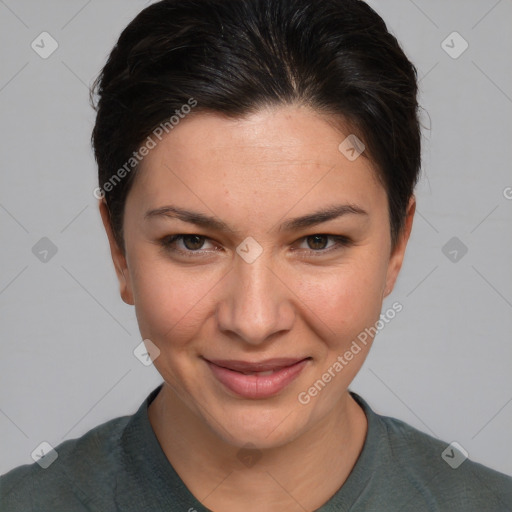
(305, 221)
(323, 215)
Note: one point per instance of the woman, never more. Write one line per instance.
(257, 162)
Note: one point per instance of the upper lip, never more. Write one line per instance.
(258, 366)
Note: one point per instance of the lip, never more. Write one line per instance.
(259, 366)
(229, 373)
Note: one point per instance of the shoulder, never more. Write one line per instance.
(440, 472)
(84, 467)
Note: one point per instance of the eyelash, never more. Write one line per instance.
(168, 244)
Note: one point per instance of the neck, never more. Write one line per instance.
(299, 475)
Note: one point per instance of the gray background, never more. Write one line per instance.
(443, 364)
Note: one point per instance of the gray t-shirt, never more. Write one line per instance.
(120, 466)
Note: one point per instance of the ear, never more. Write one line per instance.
(397, 256)
(118, 257)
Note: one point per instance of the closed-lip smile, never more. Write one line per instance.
(258, 379)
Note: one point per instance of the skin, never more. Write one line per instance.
(297, 299)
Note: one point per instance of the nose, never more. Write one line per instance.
(257, 303)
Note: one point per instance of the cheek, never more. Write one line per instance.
(168, 300)
(345, 299)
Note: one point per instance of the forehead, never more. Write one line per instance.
(275, 157)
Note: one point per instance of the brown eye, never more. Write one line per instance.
(322, 244)
(193, 242)
(318, 242)
(186, 245)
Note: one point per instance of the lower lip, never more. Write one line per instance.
(257, 386)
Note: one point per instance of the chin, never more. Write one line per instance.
(262, 429)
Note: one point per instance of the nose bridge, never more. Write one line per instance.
(257, 305)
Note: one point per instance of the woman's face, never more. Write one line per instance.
(251, 284)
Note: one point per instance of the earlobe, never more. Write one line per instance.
(118, 257)
(397, 256)
(125, 288)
